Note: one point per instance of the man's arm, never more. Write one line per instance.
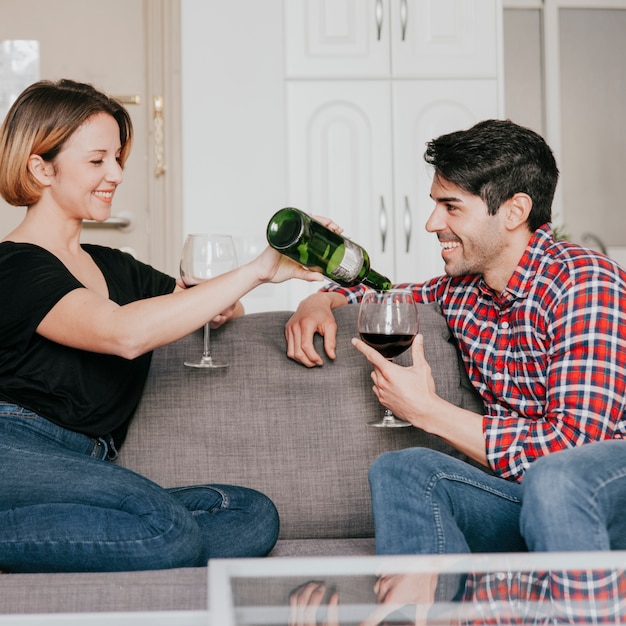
(314, 315)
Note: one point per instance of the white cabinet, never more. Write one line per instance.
(423, 110)
(368, 84)
(339, 164)
(323, 105)
(337, 38)
(402, 38)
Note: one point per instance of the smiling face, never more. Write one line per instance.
(472, 241)
(87, 171)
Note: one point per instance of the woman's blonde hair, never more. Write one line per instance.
(41, 120)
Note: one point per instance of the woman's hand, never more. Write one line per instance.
(236, 310)
(273, 267)
(328, 223)
(306, 601)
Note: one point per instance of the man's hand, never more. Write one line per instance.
(409, 392)
(396, 591)
(314, 315)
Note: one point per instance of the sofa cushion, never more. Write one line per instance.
(299, 435)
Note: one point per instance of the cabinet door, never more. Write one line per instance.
(423, 110)
(339, 159)
(330, 38)
(445, 38)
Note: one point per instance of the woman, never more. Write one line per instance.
(77, 327)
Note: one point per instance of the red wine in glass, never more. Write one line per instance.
(388, 323)
(389, 346)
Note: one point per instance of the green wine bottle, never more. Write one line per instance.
(305, 240)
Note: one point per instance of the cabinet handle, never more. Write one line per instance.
(382, 220)
(133, 99)
(408, 227)
(378, 12)
(404, 17)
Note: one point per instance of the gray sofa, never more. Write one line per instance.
(297, 434)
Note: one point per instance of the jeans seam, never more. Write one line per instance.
(441, 476)
(225, 498)
(462, 479)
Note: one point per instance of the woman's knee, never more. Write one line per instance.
(245, 524)
(173, 538)
(266, 524)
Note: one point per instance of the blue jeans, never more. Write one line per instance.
(64, 507)
(426, 502)
(576, 499)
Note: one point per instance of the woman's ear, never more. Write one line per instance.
(43, 171)
(517, 210)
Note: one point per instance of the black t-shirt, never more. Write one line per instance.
(95, 394)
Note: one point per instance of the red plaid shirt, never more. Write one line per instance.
(547, 355)
(551, 597)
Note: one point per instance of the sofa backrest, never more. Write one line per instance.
(297, 434)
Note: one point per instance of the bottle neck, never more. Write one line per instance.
(377, 281)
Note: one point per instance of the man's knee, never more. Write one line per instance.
(547, 476)
(405, 466)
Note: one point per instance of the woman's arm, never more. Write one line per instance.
(85, 320)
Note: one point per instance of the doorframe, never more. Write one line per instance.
(552, 76)
(551, 68)
(163, 78)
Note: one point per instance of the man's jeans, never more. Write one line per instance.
(426, 502)
(65, 507)
(576, 499)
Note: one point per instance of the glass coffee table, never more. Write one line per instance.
(132, 618)
(528, 588)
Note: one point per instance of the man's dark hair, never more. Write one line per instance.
(495, 159)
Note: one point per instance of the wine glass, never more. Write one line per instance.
(388, 323)
(206, 256)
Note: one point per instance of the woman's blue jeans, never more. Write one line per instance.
(576, 499)
(426, 502)
(65, 507)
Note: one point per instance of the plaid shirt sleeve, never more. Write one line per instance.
(352, 294)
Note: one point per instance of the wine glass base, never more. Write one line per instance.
(389, 423)
(206, 364)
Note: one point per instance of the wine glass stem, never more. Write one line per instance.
(206, 353)
(388, 417)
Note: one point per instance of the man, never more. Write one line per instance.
(541, 326)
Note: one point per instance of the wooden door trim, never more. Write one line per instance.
(163, 78)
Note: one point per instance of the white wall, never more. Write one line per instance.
(232, 90)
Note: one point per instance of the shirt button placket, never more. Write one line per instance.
(502, 343)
